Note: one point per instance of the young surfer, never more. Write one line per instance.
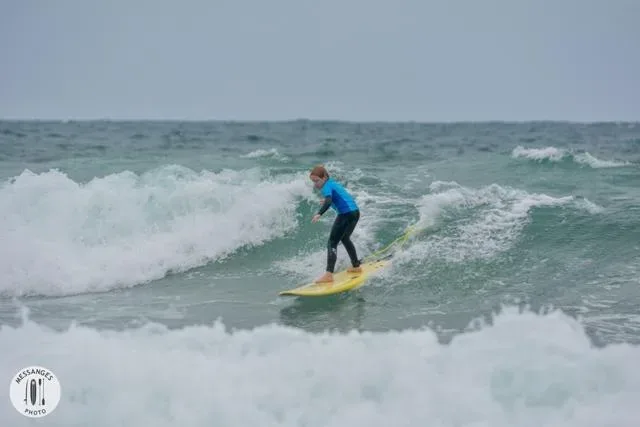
(348, 214)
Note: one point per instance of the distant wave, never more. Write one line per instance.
(272, 153)
(553, 154)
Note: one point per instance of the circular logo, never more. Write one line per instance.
(35, 391)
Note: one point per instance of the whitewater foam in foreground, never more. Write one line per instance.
(525, 370)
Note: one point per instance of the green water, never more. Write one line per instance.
(111, 225)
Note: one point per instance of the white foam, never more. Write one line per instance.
(526, 370)
(59, 236)
(493, 220)
(588, 159)
(557, 154)
(546, 153)
(272, 153)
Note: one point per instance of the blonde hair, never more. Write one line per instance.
(320, 172)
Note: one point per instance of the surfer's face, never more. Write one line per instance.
(317, 181)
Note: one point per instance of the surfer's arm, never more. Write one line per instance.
(325, 205)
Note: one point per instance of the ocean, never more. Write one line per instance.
(141, 263)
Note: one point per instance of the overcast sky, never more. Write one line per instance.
(423, 60)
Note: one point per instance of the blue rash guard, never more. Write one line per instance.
(337, 197)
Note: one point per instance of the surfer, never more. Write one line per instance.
(348, 214)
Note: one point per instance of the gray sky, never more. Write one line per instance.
(420, 60)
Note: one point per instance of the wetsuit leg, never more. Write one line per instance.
(346, 239)
(343, 225)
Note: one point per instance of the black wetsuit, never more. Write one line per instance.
(341, 230)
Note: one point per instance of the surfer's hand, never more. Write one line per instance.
(315, 218)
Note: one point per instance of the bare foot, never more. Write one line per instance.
(325, 278)
(355, 270)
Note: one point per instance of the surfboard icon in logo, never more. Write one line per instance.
(33, 392)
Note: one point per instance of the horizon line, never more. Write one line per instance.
(316, 120)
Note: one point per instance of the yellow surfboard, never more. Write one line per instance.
(342, 281)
